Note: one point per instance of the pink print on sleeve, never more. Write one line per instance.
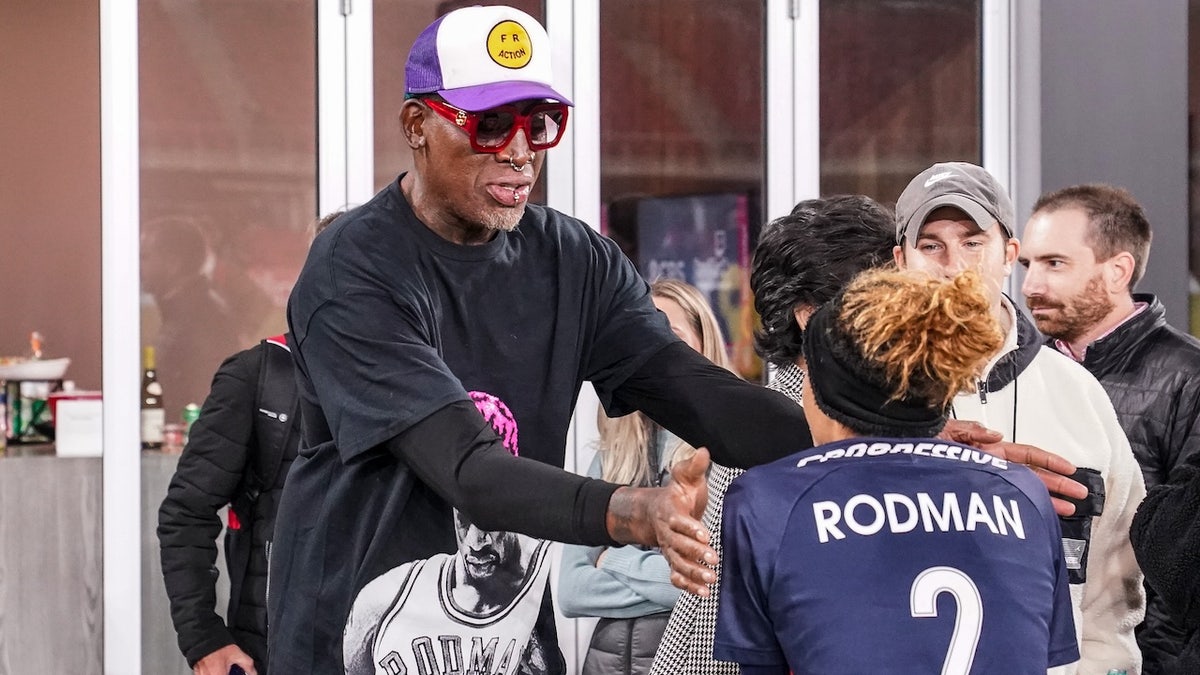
(499, 416)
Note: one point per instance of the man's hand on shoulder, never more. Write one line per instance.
(220, 661)
(1054, 471)
(971, 433)
(669, 518)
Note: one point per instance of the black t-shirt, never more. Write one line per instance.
(392, 324)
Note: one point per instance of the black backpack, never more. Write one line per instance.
(276, 411)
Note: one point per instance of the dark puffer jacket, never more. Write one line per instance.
(235, 445)
(625, 646)
(1151, 372)
(1166, 540)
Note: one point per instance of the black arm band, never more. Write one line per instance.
(456, 452)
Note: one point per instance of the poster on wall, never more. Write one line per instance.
(705, 241)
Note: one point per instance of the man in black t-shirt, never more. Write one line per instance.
(448, 325)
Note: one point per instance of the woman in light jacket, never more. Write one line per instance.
(629, 587)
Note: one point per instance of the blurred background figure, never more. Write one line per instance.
(238, 454)
(629, 587)
(190, 324)
(1166, 539)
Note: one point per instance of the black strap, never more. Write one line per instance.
(276, 409)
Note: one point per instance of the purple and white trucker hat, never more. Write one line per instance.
(481, 57)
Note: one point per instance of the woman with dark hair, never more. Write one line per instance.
(941, 557)
(802, 260)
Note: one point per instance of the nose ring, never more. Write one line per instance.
(532, 156)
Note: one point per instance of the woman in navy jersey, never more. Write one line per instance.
(884, 549)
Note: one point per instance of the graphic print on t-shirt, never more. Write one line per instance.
(471, 612)
(499, 416)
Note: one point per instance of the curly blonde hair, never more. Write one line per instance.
(924, 338)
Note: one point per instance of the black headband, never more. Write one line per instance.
(847, 392)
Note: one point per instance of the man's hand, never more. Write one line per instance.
(220, 661)
(669, 518)
(971, 433)
(1053, 470)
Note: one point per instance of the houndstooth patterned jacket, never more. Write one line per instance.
(687, 642)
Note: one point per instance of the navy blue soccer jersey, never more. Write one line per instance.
(893, 556)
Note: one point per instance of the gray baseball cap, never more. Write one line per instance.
(964, 186)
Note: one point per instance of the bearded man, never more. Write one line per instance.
(1085, 248)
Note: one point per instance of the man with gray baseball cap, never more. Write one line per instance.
(962, 185)
(945, 225)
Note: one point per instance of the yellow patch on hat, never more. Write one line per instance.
(509, 45)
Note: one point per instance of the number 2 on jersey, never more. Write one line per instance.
(923, 596)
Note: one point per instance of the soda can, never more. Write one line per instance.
(191, 412)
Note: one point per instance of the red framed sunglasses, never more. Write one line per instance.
(490, 130)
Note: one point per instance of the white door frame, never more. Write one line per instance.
(120, 337)
(345, 105)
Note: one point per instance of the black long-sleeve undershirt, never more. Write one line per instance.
(741, 424)
(456, 452)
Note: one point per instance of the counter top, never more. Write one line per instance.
(28, 450)
(51, 565)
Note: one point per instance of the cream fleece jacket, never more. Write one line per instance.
(1061, 408)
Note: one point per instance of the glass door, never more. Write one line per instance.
(228, 185)
(900, 89)
(682, 162)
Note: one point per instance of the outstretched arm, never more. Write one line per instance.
(456, 452)
(742, 424)
(1054, 471)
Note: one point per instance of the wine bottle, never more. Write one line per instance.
(153, 416)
